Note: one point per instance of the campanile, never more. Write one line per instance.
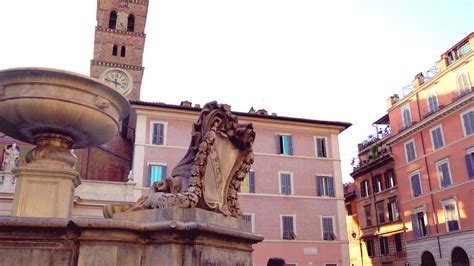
(119, 45)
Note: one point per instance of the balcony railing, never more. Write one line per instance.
(372, 157)
(427, 111)
(459, 93)
(371, 139)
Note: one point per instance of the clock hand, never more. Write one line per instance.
(112, 81)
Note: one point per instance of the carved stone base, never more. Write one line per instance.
(169, 237)
(44, 192)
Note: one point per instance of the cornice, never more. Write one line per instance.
(117, 65)
(121, 32)
(452, 107)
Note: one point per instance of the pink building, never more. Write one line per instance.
(293, 195)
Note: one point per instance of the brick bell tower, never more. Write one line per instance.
(119, 44)
(118, 55)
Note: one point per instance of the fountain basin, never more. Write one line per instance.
(35, 101)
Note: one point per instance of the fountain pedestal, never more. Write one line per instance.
(44, 192)
(57, 111)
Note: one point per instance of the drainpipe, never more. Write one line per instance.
(429, 179)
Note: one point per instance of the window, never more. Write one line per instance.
(321, 150)
(285, 183)
(325, 186)
(410, 151)
(288, 228)
(328, 231)
(249, 218)
(398, 242)
(113, 20)
(380, 212)
(415, 184)
(384, 246)
(393, 214)
(158, 134)
(114, 50)
(364, 189)
(462, 81)
(349, 209)
(370, 248)
(131, 23)
(406, 115)
(122, 51)
(468, 122)
(437, 138)
(451, 215)
(378, 183)
(156, 173)
(248, 185)
(389, 179)
(284, 144)
(442, 167)
(433, 102)
(419, 223)
(470, 163)
(368, 217)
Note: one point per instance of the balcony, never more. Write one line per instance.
(427, 111)
(456, 53)
(375, 157)
(459, 93)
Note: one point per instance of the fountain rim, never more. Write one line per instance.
(114, 96)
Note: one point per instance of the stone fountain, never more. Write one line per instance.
(57, 111)
(191, 218)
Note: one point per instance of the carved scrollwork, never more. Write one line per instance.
(209, 175)
(101, 102)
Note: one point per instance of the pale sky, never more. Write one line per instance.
(325, 60)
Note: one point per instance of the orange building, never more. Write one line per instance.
(429, 151)
(382, 241)
(433, 149)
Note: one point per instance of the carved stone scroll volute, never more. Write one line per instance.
(209, 175)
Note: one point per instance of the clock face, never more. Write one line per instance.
(118, 80)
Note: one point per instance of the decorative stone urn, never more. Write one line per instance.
(57, 111)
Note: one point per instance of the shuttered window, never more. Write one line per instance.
(437, 138)
(419, 224)
(380, 212)
(444, 175)
(470, 164)
(156, 173)
(410, 151)
(451, 215)
(468, 122)
(325, 186)
(158, 134)
(328, 230)
(248, 185)
(384, 246)
(398, 242)
(415, 185)
(284, 144)
(321, 150)
(370, 248)
(393, 214)
(288, 228)
(285, 183)
(389, 179)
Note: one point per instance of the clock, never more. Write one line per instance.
(118, 79)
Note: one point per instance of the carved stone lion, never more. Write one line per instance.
(209, 175)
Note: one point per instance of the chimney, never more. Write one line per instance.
(392, 100)
(419, 80)
(186, 103)
(262, 112)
